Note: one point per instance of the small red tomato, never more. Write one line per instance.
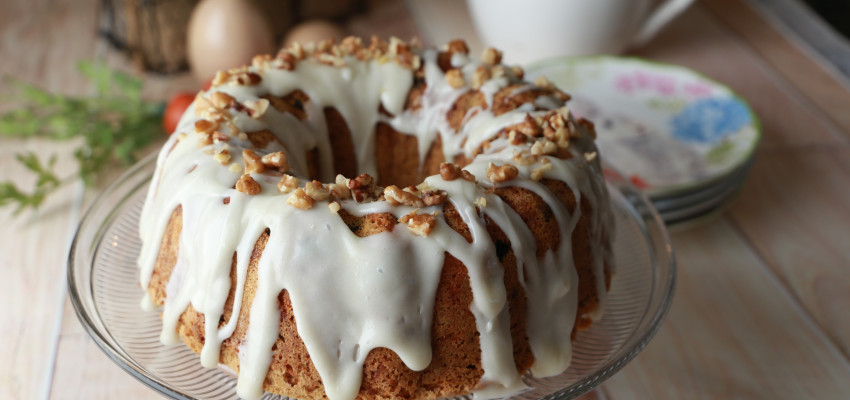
(174, 110)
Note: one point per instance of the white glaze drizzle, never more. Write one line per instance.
(340, 330)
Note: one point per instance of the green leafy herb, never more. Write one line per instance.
(114, 124)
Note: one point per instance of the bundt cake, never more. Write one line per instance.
(377, 221)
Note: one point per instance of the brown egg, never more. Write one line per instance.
(314, 31)
(225, 34)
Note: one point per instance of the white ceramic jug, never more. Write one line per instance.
(533, 29)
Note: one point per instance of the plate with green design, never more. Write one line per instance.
(670, 129)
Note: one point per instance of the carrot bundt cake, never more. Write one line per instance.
(353, 221)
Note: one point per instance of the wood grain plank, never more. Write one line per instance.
(795, 210)
(733, 332)
(697, 40)
(823, 88)
(85, 372)
(34, 48)
(35, 248)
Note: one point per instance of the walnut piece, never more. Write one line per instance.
(421, 224)
(317, 191)
(222, 156)
(396, 196)
(253, 162)
(449, 171)
(491, 56)
(246, 184)
(455, 78)
(457, 46)
(221, 100)
(501, 173)
(205, 126)
(275, 161)
(256, 109)
(433, 197)
(287, 183)
(363, 188)
(299, 199)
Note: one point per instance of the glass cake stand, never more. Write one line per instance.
(103, 283)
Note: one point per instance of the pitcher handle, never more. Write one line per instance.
(663, 14)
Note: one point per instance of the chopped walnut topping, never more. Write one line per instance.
(248, 79)
(457, 46)
(455, 78)
(253, 162)
(363, 188)
(205, 126)
(517, 71)
(523, 158)
(516, 138)
(543, 147)
(467, 176)
(412, 190)
(204, 139)
(297, 50)
(561, 95)
(300, 199)
(216, 114)
(409, 60)
(334, 207)
(556, 120)
(498, 71)
(587, 125)
(491, 56)
(201, 104)
(556, 129)
(276, 161)
(235, 168)
(317, 191)
(288, 59)
(544, 83)
(330, 59)
(246, 184)
(218, 137)
(481, 202)
(529, 126)
(537, 173)
(287, 183)
(260, 60)
(396, 196)
(220, 78)
(422, 224)
(221, 100)
(449, 171)
(256, 109)
(339, 189)
(501, 173)
(222, 156)
(397, 46)
(434, 197)
(590, 156)
(351, 45)
(480, 77)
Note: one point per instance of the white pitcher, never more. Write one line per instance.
(530, 30)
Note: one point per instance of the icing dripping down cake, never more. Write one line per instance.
(377, 221)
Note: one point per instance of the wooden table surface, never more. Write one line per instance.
(762, 309)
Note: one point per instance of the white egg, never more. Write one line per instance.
(224, 34)
(314, 31)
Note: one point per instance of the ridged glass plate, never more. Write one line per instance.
(104, 287)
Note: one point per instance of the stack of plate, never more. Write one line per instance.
(684, 139)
